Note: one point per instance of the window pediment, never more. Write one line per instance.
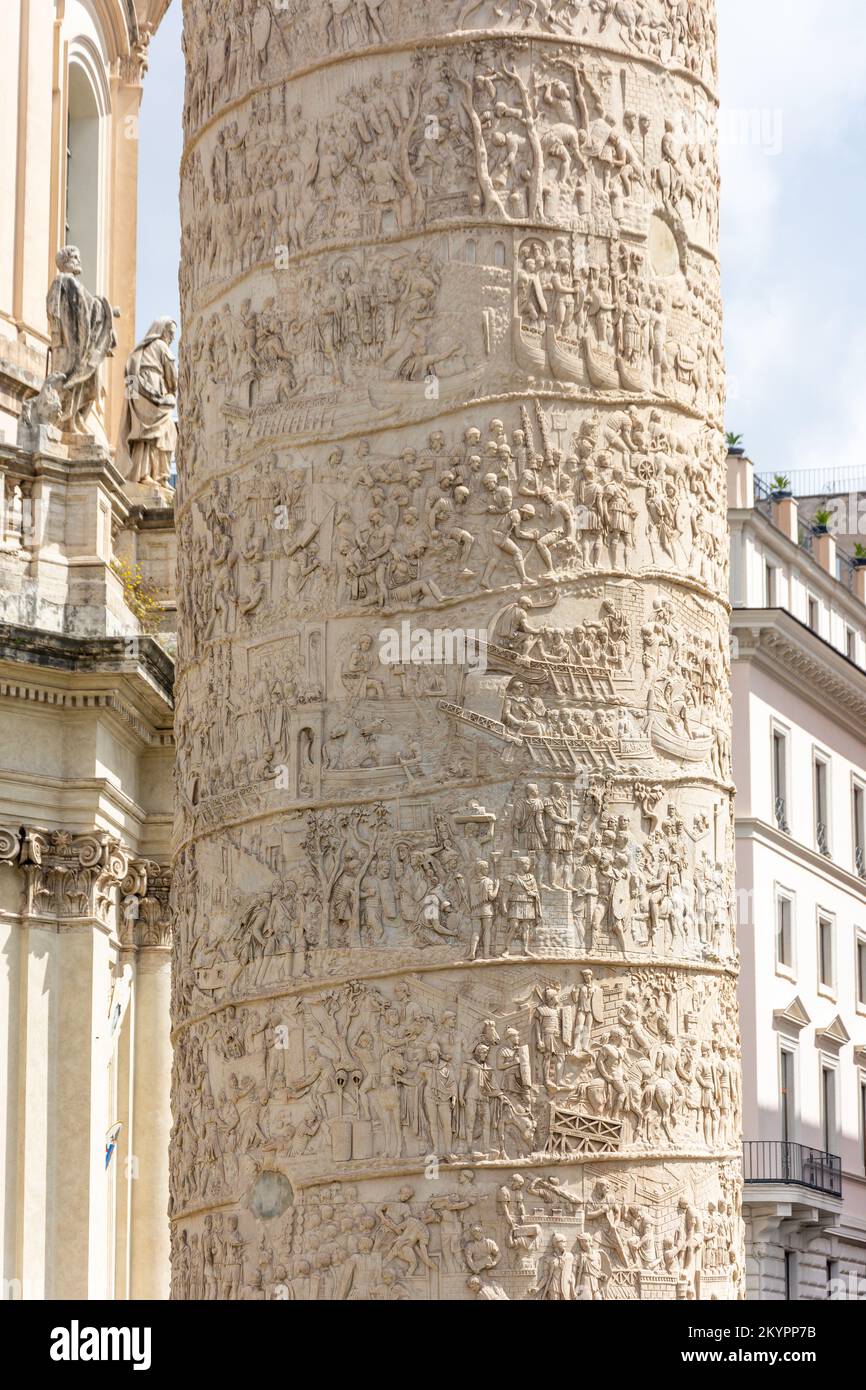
(793, 1019)
(834, 1037)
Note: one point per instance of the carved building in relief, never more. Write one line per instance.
(455, 960)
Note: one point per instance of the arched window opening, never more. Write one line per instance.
(82, 173)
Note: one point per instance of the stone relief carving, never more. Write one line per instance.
(597, 1234)
(464, 512)
(591, 1062)
(231, 51)
(455, 947)
(552, 140)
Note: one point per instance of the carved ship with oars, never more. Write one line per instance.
(543, 353)
(592, 685)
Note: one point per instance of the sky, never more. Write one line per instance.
(793, 121)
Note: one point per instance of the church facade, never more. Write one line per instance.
(85, 675)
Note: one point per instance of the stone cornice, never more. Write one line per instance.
(150, 519)
(82, 700)
(58, 800)
(97, 465)
(750, 827)
(78, 701)
(136, 667)
(787, 649)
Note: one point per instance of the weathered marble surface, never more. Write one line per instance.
(454, 1006)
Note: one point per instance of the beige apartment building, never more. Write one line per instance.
(85, 695)
(799, 686)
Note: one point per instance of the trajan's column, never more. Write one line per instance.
(454, 1005)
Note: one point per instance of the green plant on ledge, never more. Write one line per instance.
(140, 597)
(781, 486)
(821, 521)
(734, 442)
(859, 554)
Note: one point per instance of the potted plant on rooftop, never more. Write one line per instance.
(821, 522)
(780, 487)
(859, 556)
(735, 445)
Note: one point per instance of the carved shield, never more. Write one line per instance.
(684, 517)
(261, 28)
(687, 361)
(620, 899)
(525, 1065)
(598, 1004)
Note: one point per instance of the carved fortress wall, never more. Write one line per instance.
(455, 988)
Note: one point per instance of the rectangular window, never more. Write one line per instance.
(784, 932)
(860, 970)
(790, 1276)
(822, 805)
(770, 599)
(787, 1098)
(828, 1108)
(860, 830)
(826, 970)
(814, 613)
(780, 779)
(850, 644)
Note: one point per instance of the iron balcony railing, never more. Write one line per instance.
(778, 1160)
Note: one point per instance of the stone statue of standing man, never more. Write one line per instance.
(82, 336)
(148, 433)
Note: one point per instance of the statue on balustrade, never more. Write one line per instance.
(81, 325)
(148, 433)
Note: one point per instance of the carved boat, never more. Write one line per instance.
(694, 750)
(602, 371)
(632, 378)
(345, 779)
(397, 395)
(566, 365)
(529, 356)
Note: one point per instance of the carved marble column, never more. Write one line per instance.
(454, 1005)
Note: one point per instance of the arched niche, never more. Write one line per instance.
(88, 108)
